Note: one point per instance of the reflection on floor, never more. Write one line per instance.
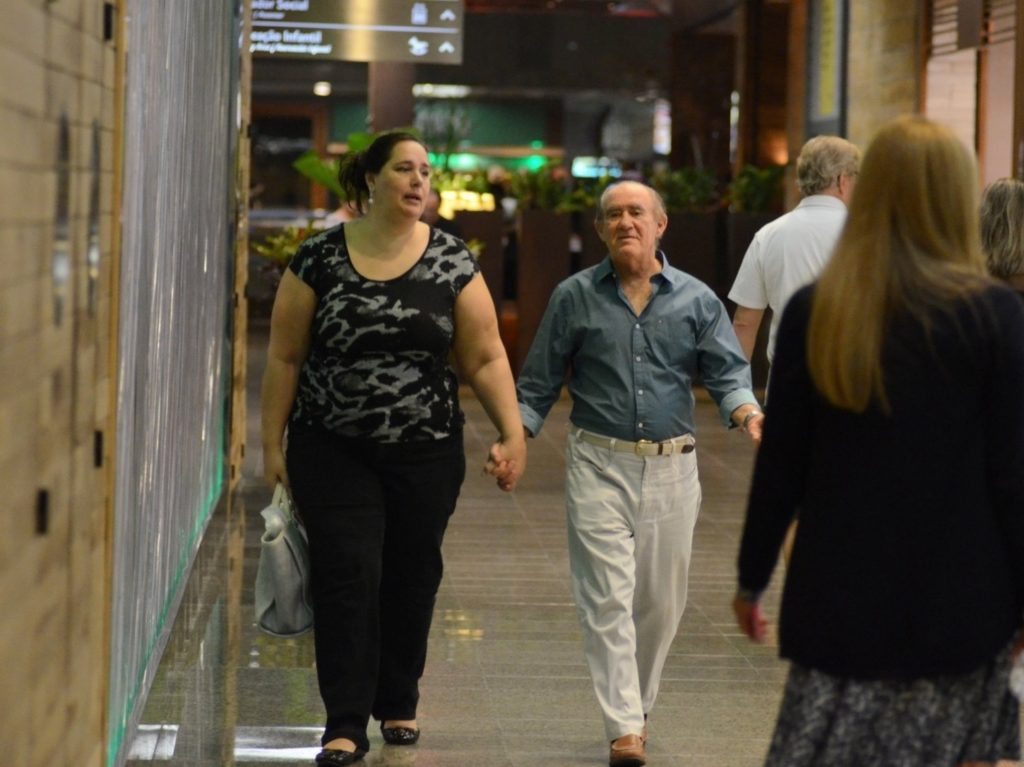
(506, 682)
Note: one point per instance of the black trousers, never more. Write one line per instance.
(376, 516)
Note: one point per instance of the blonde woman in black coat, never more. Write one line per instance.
(896, 427)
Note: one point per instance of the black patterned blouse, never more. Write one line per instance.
(378, 361)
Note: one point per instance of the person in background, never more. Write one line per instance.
(896, 427)
(346, 211)
(791, 251)
(1002, 231)
(632, 333)
(432, 215)
(357, 370)
(498, 183)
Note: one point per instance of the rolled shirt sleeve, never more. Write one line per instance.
(723, 366)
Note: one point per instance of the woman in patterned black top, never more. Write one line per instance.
(358, 370)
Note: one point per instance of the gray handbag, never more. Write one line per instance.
(282, 600)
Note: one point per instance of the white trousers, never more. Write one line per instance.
(630, 524)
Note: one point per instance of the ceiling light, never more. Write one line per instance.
(322, 88)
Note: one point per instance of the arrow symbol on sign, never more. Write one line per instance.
(447, 15)
(446, 47)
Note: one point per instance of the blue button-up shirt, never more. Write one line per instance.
(631, 376)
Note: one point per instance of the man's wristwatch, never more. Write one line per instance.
(749, 417)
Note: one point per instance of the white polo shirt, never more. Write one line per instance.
(787, 254)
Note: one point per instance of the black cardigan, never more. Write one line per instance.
(909, 557)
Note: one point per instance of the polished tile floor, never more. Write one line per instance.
(506, 684)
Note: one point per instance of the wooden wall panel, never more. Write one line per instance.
(543, 260)
(885, 63)
(53, 653)
(240, 319)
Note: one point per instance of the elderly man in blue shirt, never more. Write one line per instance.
(633, 332)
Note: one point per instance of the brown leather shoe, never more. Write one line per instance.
(627, 751)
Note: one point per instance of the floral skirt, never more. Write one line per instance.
(829, 721)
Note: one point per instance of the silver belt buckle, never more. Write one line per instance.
(637, 447)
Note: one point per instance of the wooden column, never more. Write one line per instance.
(796, 94)
(1018, 95)
(542, 262)
(763, 68)
(240, 312)
(703, 77)
(390, 95)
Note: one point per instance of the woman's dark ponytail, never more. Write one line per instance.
(352, 178)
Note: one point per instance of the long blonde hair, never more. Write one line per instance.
(910, 245)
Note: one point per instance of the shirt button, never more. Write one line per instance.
(638, 358)
(637, 325)
(640, 392)
(640, 425)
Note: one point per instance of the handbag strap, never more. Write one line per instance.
(283, 501)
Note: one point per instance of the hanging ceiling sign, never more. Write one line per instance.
(428, 31)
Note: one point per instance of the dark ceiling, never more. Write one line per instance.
(684, 13)
(609, 7)
(534, 47)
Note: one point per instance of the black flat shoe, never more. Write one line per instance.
(336, 757)
(400, 736)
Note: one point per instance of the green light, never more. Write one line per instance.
(463, 161)
(535, 162)
(536, 144)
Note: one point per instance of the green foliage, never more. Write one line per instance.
(538, 190)
(686, 190)
(755, 190)
(280, 246)
(578, 199)
(460, 181)
(320, 171)
(359, 141)
(551, 189)
(584, 195)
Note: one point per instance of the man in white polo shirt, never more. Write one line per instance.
(791, 251)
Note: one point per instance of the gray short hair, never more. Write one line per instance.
(1002, 227)
(822, 160)
(659, 202)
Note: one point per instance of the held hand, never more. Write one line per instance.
(506, 462)
(274, 470)
(750, 619)
(755, 428)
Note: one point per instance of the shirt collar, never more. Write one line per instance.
(821, 201)
(605, 271)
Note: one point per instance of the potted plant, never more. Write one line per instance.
(756, 190)
(692, 239)
(686, 190)
(542, 247)
(754, 198)
(592, 249)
